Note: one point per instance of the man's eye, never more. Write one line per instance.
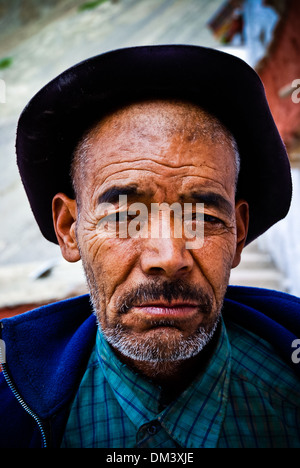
(212, 219)
(206, 218)
(121, 217)
(118, 217)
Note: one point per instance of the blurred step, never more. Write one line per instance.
(257, 270)
(39, 283)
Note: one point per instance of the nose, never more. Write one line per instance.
(166, 257)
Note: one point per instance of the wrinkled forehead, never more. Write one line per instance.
(143, 128)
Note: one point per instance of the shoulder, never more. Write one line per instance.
(272, 316)
(257, 364)
(46, 380)
(263, 297)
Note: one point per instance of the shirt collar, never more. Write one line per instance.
(195, 418)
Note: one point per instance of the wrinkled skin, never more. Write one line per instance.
(167, 153)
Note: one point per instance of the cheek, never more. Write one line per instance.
(215, 261)
(111, 260)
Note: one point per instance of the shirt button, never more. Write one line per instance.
(152, 430)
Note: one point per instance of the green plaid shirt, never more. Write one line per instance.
(244, 397)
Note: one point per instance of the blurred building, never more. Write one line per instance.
(280, 72)
(266, 33)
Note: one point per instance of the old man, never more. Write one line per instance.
(155, 166)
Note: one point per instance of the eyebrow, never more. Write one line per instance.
(112, 194)
(211, 199)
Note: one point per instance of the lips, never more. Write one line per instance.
(173, 310)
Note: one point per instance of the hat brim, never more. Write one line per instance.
(55, 119)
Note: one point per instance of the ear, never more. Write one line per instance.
(64, 210)
(242, 224)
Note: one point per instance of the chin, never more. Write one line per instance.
(160, 344)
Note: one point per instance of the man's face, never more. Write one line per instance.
(156, 299)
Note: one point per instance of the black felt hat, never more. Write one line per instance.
(56, 118)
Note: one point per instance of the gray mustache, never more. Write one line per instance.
(167, 291)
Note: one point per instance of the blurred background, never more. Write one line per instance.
(41, 38)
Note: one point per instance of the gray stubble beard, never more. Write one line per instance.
(146, 349)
